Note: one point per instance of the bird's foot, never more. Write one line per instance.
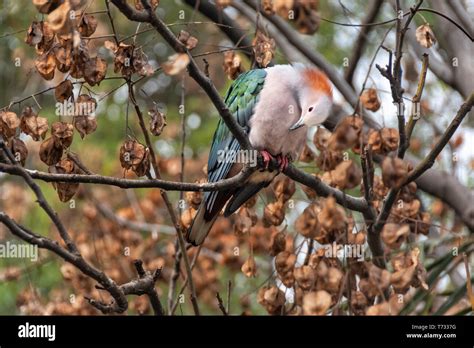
(283, 162)
(267, 157)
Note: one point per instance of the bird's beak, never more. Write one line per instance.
(298, 124)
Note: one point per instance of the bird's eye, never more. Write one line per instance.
(310, 109)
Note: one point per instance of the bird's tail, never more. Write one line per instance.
(200, 227)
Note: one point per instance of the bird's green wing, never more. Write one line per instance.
(241, 99)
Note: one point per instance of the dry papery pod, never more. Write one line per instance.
(9, 123)
(49, 152)
(45, 65)
(157, 121)
(271, 298)
(153, 3)
(408, 271)
(135, 156)
(370, 100)
(194, 198)
(63, 91)
(394, 171)
(316, 302)
(232, 65)
(129, 59)
(285, 262)
(347, 134)
(278, 243)
(65, 190)
(346, 175)
(274, 214)
(187, 217)
(19, 150)
(249, 268)
(87, 25)
(263, 49)
(306, 16)
(187, 39)
(62, 134)
(383, 141)
(307, 224)
(284, 188)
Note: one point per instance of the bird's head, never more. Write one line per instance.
(315, 97)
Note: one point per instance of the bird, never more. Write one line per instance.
(275, 106)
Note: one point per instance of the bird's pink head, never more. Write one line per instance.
(315, 96)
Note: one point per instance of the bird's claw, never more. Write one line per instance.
(267, 157)
(282, 162)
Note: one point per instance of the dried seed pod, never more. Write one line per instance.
(316, 302)
(271, 298)
(278, 243)
(284, 188)
(307, 223)
(85, 125)
(50, 153)
(274, 214)
(194, 198)
(346, 175)
(285, 262)
(46, 6)
(394, 235)
(19, 150)
(305, 277)
(157, 121)
(87, 25)
(333, 280)
(60, 20)
(370, 100)
(394, 171)
(232, 65)
(63, 91)
(175, 64)
(332, 216)
(425, 36)
(187, 39)
(45, 64)
(65, 190)
(383, 141)
(249, 268)
(307, 155)
(187, 217)
(408, 271)
(346, 134)
(135, 156)
(242, 224)
(263, 49)
(306, 16)
(62, 134)
(95, 70)
(9, 123)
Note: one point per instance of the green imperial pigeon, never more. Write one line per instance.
(275, 106)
